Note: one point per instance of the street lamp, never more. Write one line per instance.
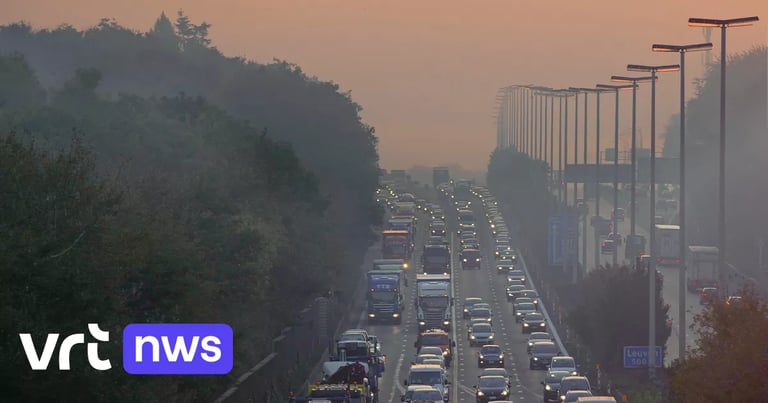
(722, 24)
(682, 49)
(616, 88)
(652, 261)
(633, 152)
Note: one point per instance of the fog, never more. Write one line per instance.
(426, 72)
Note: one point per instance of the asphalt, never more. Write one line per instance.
(397, 340)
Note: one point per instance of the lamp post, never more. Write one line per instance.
(682, 50)
(551, 136)
(633, 151)
(616, 89)
(652, 261)
(722, 24)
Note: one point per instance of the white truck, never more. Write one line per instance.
(701, 268)
(433, 301)
(667, 248)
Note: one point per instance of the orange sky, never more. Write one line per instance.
(425, 71)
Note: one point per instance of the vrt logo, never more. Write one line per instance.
(40, 362)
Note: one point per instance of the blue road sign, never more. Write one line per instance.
(555, 244)
(637, 357)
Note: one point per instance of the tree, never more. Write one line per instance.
(730, 360)
(609, 309)
(511, 174)
(19, 87)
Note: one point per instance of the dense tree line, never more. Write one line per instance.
(130, 210)
(746, 162)
(521, 183)
(322, 124)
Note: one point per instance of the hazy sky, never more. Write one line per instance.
(425, 71)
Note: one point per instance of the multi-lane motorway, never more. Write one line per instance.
(397, 341)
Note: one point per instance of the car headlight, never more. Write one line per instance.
(472, 337)
(480, 393)
(395, 315)
(446, 322)
(518, 314)
(530, 344)
(477, 259)
(542, 324)
(547, 387)
(421, 323)
(445, 352)
(535, 358)
(371, 315)
(504, 393)
(525, 325)
(490, 337)
(465, 260)
(405, 265)
(466, 310)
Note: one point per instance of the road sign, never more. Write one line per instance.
(555, 244)
(637, 357)
(571, 235)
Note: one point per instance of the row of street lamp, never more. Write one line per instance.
(523, 125)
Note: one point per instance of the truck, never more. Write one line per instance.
(384, 296)
(436, 259)
(407, 224)
(396, 244)
(433, 301)
(440, 175)
(462, 189)
(342, 381)
(667, 248)
(701, 268)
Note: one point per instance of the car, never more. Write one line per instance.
(569, 383)
(437, 240)
(573, 395)
(514, 290)
(708, 295)
(469, 303)
(541, 355)
(563, 363)
(470, 244)
(520, 300)
(504, 266)
(481, 313)
(607, 247)
(523, 309)
(434, 350)
(472, 322)
(618, 213)
(490, 388)
(495, 372)
(490, 355)
(534, 321)
(428, 375)
(516, 275)
(733, 300)
(536, 337)
(412, 389)
(430, 359)
(551, 384)
(483, 305)
(532, 294)
(437, 230)
(481, 334)
(470, 259)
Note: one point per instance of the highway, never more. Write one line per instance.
(397, 341)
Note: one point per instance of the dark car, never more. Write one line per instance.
(552, 384)
(504, 266)
(534, 321)
(481, 334)
(514, 291)
(538, 337)
(569, 383)
(541, 355)
(523, 308)
(437, 230)
(491, 388)
(618, 213)
(490, 355)
(532, 294)
(468, 304)
(708, 295)
(484, 313)
(470, 259)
